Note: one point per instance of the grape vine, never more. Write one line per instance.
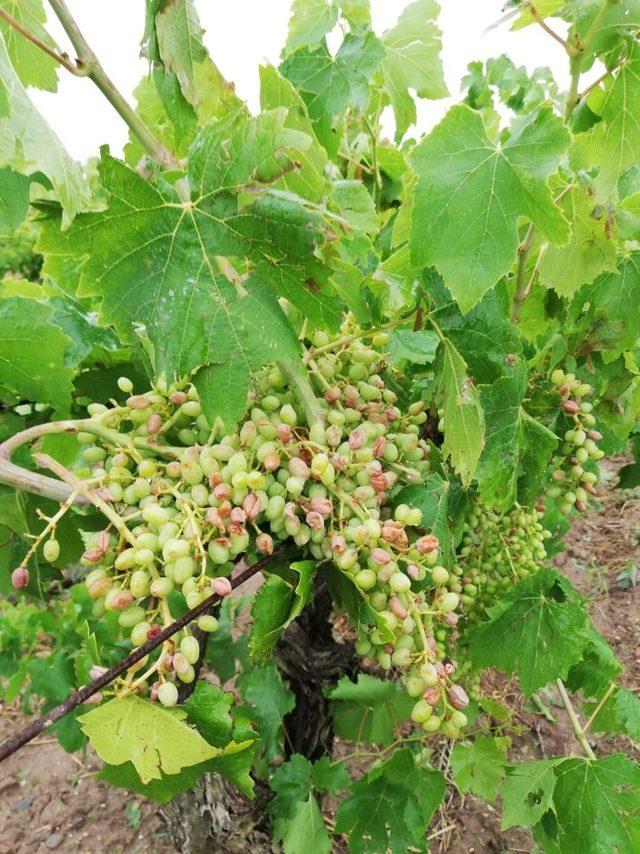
(376, 370)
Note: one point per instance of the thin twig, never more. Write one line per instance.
(521, 285)
(94, 70)
(46, 461)
(603, 700)
(30, 732)
(570, 49)
(60, 58)
(575, 722)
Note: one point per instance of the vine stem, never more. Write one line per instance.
(38, 484)
(304, 392)
(575, 722)
(87, 64)
(570, 49)
(76, 699)
(521, 282)
(60, 58)
(45, 461)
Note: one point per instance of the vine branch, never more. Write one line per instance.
(575, 722)
(61, 58)
(76, 699)
(94, 70)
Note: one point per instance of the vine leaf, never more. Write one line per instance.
(14, 200)
(479, 766)
(613, 143)
(528, 793)
(277, 603)
(603, 312)
(416, 346)
(307, 180)
(432, 498)
(391, 806)
(471, 192)
(517, 446)
(527, 632)
(208, 709)
(620, 713)
(596, 806)
(32, 353)
(28, 145)
(153, 259)
(270, 700)
(154, 740)
(412, 61)
(588, 253)
(463, 417)
(331, 86)
(298, 823)
(368, 710)
(32, 65)
(310, 21)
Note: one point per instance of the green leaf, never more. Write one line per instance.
(223, 651)
(332, 86)
(415, 346)
(619, 713)
(612, 144)
(262, 686)
(31, 64)
(589, 252)
(14, 200)
(432, 498)
(12, 510)
(527, 632)
(484, 337)
(544, 9)
(412, 62)
(528, 793)
(355, 204)
(470, 194)
(517, 446)
(207, 710)
(307, 179)
(223, 390)
(463, 418)
(27, 143)
(348, 597)
(369, 710)
(602, 314)
(328, 776)
(596, 670)
(276, 605)
(153, 260)
(596, 805)
(304, 831)
(310, 21)
(479, 766)
(390, 807)
(179, 40)
(129, 729)
(32, 353)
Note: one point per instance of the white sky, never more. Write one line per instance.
(240, 34)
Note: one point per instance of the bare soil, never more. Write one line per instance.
(50, 800)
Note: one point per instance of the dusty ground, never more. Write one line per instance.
(50, 800)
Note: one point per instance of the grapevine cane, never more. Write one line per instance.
(30, 732)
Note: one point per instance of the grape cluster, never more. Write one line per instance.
(573, 484)
(497, 551)
(314, 467)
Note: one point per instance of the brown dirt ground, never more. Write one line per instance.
(50, 800)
